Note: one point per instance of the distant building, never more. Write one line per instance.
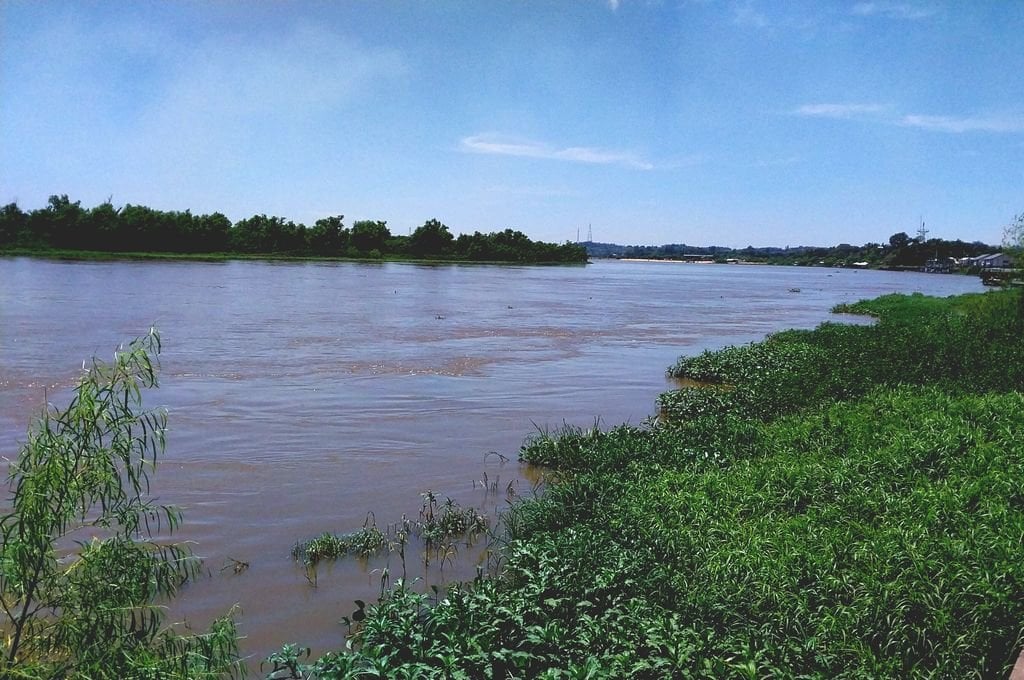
(989, 261)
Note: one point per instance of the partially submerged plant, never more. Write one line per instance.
(447, 520)
(438, 524)
(363, 543)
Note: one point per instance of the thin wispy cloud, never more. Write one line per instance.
(839, 110)
(957, 125)
(883, 114)
(499, 146)
(893, 10)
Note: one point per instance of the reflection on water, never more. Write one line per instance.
(304, 396)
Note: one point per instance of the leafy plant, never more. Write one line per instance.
(80, 564)
(849, 507)
(437, 525)
(327, 546)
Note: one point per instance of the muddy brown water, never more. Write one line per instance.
(303, 396)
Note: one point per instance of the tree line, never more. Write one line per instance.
(65, 225)
(900, 252)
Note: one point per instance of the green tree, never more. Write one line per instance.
(369, 235)
(431, 239)
(899, 240)
(101, 226)
(87, 611)
(58, 223)
(211, 233)
(12, 224)
(140, 227)
(328, 236)
(262, 234)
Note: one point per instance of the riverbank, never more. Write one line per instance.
(323, 383)
(851, 507)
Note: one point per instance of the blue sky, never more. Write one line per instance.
(704, 122)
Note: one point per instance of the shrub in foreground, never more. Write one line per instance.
(85, 609)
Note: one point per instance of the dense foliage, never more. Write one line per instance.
(88, 608)
(971, 343)
(65, 225)
(844, 502)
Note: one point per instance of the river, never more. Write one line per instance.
(304, 396)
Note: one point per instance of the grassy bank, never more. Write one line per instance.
(843, 502)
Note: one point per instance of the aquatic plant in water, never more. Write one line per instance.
(437, 524)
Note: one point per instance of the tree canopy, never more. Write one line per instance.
(65, 225)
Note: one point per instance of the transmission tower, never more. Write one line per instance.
(922, 233)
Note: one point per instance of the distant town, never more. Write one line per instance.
(901, 252)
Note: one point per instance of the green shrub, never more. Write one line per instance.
(89, 612)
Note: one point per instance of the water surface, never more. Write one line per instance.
(304, 396)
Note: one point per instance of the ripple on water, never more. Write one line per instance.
(302, 397)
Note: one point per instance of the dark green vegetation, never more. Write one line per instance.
(971, 343)
(64, 227)
(82, 563)
(900, 252)
(846, 502)
(438, 527)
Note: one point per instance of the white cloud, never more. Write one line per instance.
(614, 4)
(956, 124)
(496, 145)
(893, 10)
(1011, 123)
(839, 110)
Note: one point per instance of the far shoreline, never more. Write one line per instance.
(110, 256)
